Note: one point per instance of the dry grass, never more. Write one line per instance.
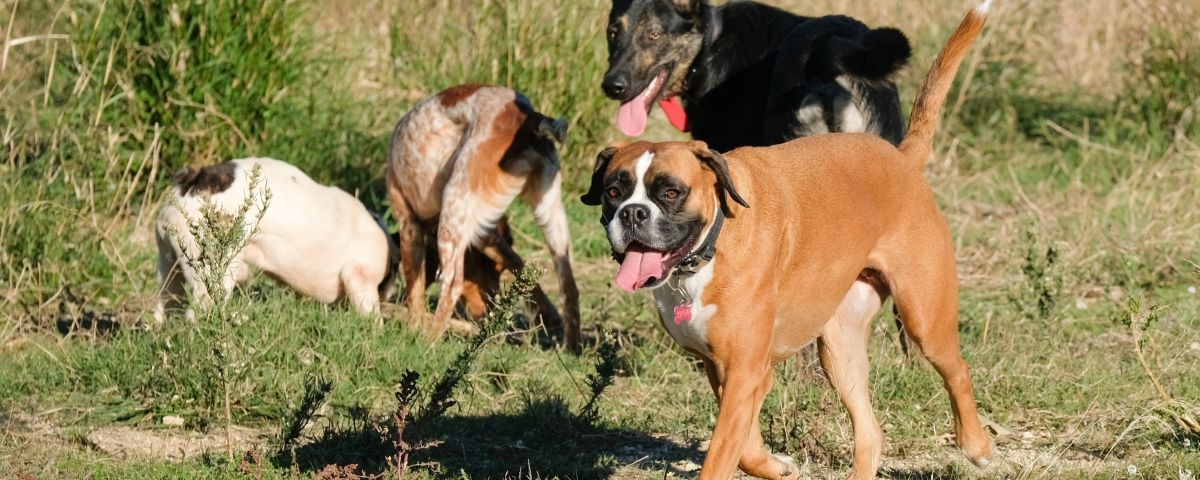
(1085, 44)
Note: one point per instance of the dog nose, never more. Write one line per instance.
(633, 216)
(615, 84)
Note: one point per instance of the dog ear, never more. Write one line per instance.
(725, 188)
(592, 197)
(686, 8)
(552, 129)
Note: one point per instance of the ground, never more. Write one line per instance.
(1066, 169)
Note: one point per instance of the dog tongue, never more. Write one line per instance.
(632, 115)
(638, 268)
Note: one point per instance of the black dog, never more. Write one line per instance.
(751, 74)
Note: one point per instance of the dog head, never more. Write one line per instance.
(651, 46)
(658, 201)
(388, 285)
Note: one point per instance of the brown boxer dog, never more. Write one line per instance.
(753, 258)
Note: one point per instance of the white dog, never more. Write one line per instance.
(319, 240)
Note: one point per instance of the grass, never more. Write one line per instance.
(1068, 180)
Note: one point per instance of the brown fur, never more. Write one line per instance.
(454, 95)
(210, 179)
(836, 224)
(923, 122)
(481, 278)
(678, 51)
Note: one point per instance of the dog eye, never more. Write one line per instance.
(670, 194)
(655, 35)
(613, 192)
(612, 33)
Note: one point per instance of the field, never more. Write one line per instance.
(1068, 169)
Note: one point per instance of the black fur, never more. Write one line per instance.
(756, 66)
(592, 197)
(725, 188)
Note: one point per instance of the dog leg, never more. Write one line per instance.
(926, 293)
(843, 345)
(451, 248)
(412, 250)
(544, 192)
(170, 279)
(757, 460)
(501, 252)
(745, 378)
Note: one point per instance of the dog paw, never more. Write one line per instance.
(791, 469)
(979, 453)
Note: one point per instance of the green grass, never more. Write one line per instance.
(93, 126)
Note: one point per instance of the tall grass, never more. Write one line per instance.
(96, 123)
(435, 44)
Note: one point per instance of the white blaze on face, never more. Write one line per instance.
(616, 232)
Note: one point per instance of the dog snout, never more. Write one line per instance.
(634, 216)
(615, 84)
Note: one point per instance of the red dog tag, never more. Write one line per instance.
(683, 313)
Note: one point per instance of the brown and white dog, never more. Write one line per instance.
(319, 240)
(456, 162)
(755, 254)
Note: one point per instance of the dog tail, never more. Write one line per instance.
(926, 112)
(878, 55)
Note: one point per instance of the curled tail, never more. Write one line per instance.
(926, 112)
(874, 56)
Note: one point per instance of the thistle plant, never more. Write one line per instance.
(418, 404)
(1141, 319)
(219, 236)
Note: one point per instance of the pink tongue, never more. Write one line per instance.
(632, 115)
(638, 268)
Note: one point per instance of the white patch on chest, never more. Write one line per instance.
(692, 334)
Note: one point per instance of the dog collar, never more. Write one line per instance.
(673, 108)
(698, 258)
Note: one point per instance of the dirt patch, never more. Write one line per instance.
(170, 444)
(1015, 459)
(1027, 455)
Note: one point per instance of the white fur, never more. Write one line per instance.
(616, 232)
(319, 240)
(811, 115)
(692, 334)
(851, 116)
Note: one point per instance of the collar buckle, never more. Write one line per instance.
(697, 259)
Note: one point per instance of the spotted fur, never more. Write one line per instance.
(456, 162)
